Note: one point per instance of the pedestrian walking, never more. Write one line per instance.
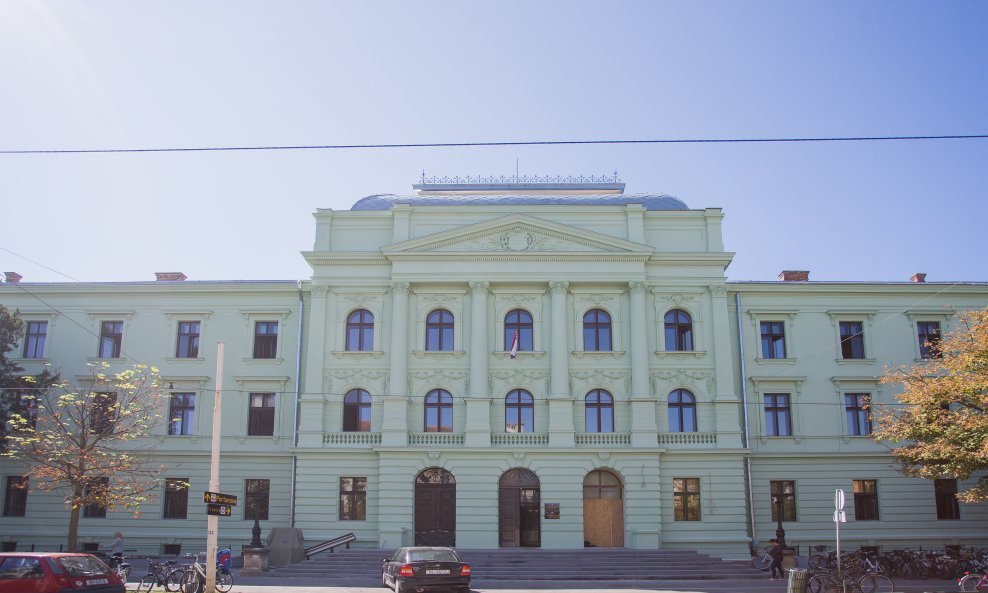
(116, 546)
(775, 551)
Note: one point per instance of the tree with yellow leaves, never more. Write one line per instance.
(940, 424)
(92, 443)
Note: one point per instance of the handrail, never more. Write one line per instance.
(330, 544)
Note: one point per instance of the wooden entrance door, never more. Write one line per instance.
(603, 510)
(435, 508)
(519, 509)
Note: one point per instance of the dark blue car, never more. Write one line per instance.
(425, 568)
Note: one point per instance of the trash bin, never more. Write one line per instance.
(797, 580)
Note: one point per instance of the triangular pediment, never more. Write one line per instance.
(519, 234)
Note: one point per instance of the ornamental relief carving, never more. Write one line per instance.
(518, 300)
(341, 381)
(439, 298)
(359, 300)
(665, 381)
(534, 381)
(677, 300)
(717, 290)
(518, 239)
(438, 354)
(452, 381)
(612, 380)
(596, 299)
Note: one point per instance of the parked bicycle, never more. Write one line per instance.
(973, 582)
(194, 577)
(163, 574)
(842, 582)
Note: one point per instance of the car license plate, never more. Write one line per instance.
(437, 571)
(97, 581)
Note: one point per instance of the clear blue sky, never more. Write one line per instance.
(140, 74)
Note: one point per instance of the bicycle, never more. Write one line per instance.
(116, 562)
(840, 582)
(762, 562)
(973, 582)
(194, 577)
(164, 574)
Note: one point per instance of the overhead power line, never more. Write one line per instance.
(479, 144)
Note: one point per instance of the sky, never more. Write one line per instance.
(138, 74)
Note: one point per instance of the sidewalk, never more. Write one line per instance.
(273, 585)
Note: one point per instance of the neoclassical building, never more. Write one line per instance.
(488, 364)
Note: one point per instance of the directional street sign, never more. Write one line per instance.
(840, 517)
(217, 498)
(221, 510)
(839, 500)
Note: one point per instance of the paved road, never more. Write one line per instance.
(272, 585)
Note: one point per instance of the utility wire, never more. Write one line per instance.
(480, 144)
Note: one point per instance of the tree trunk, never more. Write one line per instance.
(74, 523)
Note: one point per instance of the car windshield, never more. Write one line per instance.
(21, 568)
(81, 566)
(431, 556)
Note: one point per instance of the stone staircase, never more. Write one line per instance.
(536, 564)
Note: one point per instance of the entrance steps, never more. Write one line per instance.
(537, 564)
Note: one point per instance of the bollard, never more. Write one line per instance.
(797, 580)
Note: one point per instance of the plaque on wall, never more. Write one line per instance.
(552, 510)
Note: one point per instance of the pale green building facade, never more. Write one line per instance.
(647, 403)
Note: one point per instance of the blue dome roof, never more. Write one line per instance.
(649, 201)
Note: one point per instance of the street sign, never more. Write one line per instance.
(839, 500)
(220, 510)
(217, 498)
(840, 517)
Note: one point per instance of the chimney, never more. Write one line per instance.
(13, 276)
(795, 276)
(918, 277)
(169, 276)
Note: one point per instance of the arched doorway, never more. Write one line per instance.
(603, 510)
(435, 508)
(519, 506)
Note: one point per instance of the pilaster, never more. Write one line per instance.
(478, 425)
(394, 426)
(644, 429)
(311, 400)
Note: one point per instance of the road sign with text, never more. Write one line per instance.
(217, 498)
(220, 510)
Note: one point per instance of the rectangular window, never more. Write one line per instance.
(865, 500)
(784, 492)
(171, 549)
(176, 498)
(104, 412)
(15, 497)
(778, 421)
(773, 339)
(8, 546)
(686, 499)
(266, 339)
(946, 495)
(353, 499)
(260, 420)
(96, 487)
(258, 493)
(35, 333)
(852, 339)
(928, 333)
(188, 340)
(857, 407)
(182, 413)
(110, 339)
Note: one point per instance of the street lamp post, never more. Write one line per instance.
(780, 533)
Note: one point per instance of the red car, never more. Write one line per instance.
(56, 572)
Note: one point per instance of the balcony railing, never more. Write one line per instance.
(688, 438)
(602, 439)
(519, 439)
(436, 439)
(352, 439)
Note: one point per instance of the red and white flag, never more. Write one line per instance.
(514, 345)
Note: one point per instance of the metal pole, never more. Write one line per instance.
(212, 521)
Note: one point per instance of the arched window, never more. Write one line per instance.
(439, 331)
(599, 411)
(357, 411)
(519, 411)
(679, 331)
(601, 484)
(438, 411)
(682, 411)
(360, 331)
(596, 331)
(520, 321)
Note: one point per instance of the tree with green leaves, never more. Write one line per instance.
(940, 423)
(91, 443)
